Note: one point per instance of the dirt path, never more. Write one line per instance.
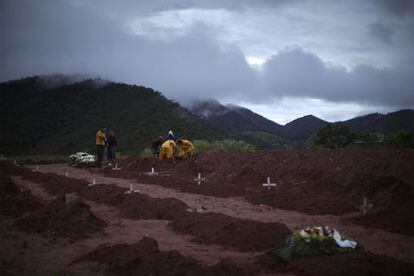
(121, 230)
(374, 240)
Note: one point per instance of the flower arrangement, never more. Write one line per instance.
(314, 240)
(81, 158)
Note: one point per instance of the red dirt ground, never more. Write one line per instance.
(73, 220)
(312, 182)
(144, 258)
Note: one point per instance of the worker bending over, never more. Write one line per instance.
(186, 149)
(167, 150)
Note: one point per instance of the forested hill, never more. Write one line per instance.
(64, 119)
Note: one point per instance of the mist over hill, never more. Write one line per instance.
(241, 119)
(61, 114)
(36, 119)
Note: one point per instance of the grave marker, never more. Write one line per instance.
(199, 179)
(116, 167)
(268, 184)
(131, 190)
(67, 174)
(365, 206)
(93, 182)
(152, 172)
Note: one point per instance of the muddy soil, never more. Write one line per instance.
(358, 263)
(145, 258)
(14, 200)
(310, 181)
(245, 235)
(373, 239)
(73, 220)
(205, 230)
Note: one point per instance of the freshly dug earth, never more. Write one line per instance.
(393, 207)
(73, 220)
(245, 235)
(357, 263)
(144, 258)
(15, 201)
(314, 181)
(136, 206)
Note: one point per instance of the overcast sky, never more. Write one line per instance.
(282, 59)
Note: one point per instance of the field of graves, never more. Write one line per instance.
(218, 213)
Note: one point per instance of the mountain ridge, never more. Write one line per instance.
(36, 117)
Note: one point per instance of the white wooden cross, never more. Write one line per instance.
(37, 168)
(93, 182)
(14, 162)
(199, 179)
(365, 206)
(152, 172)
(131, 190)
(268, 184)
(66, 173)
(116, 167)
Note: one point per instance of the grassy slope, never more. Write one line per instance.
(65, 119)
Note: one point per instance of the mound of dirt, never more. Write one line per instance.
(15, 201)
(357, 263)
(245, 235)
(144, 258)
(138, 206)
(107, 194)
(73, 220)
(7, 168)
(393, 201)
(59, 185)
(314, 181)
(135, 206)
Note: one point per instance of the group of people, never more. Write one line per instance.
(106, 144)
(168, 148)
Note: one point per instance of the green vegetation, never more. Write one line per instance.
(334, 136)
(225, 145)
(146, 153)
(39, 159)
(38, 119)
(264, 140)
(63, 120)
(400, 139)
(368, 137)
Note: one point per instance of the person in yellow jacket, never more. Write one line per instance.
(167, 149)
(100, 144)
(186, 148)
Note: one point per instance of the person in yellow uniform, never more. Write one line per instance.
(167, 149)
(100, 144)
(186, 148)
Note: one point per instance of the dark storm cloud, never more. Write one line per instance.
(55, 38)
(396, 7)
(47, 37)
(296, 73)
(381, 31)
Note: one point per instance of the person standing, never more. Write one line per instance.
(155, 146)
(170, 135)
(112, 144)
(100, 145)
